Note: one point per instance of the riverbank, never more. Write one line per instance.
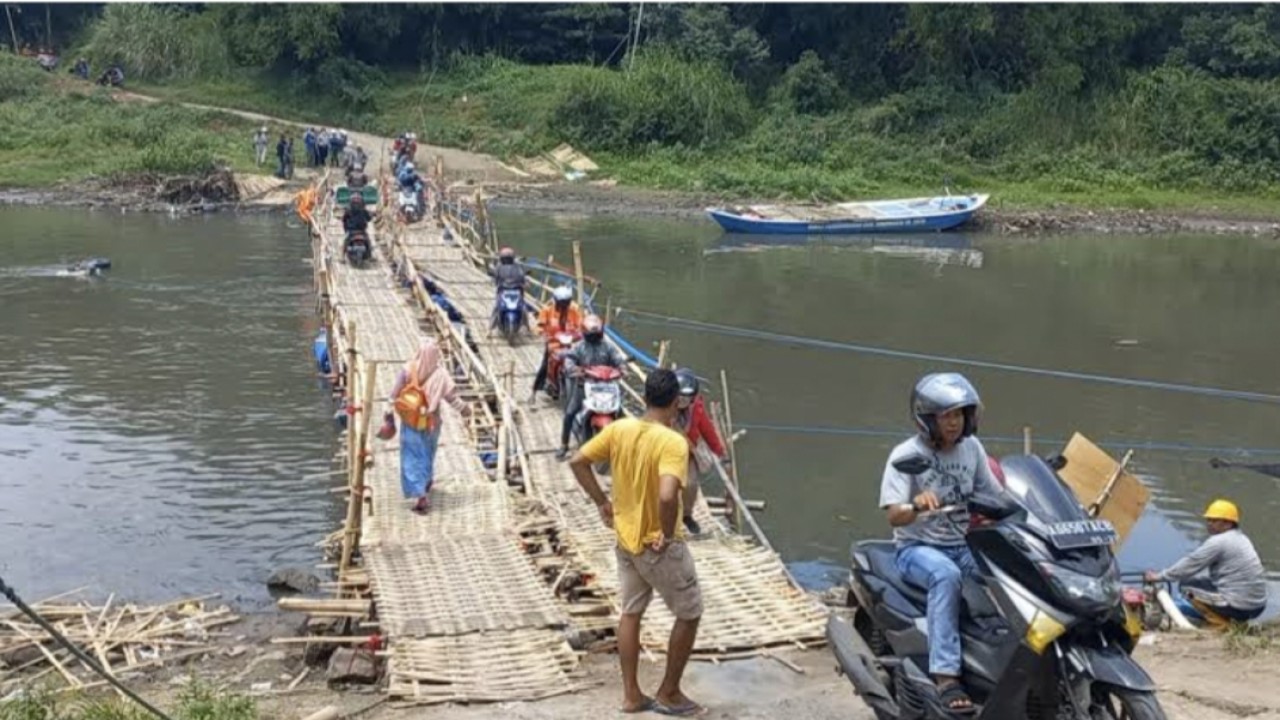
(1200, 677)
(210, 192)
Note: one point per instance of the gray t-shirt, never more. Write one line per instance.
(957, 474)
(1234, 569)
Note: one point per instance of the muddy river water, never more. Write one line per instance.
(162, 430)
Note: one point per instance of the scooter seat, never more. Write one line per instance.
(882, 556)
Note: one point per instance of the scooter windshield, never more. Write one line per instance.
(1039, 489)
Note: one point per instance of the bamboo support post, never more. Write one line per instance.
(577, 274)
(545, 286)
(1026, 440)
(733, 451)
(358, 428)
(664, 347)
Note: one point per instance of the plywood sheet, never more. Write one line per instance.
(1087, 472)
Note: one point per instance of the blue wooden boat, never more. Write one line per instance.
(877, 216)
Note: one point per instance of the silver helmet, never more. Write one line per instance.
(937, 393)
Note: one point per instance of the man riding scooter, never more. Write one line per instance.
(355, 220)
(592, 351)
(931, 550)
(409, 180)
(560, 319)
(509, 276)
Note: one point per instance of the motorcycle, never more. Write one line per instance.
(601, 401)
(1044, 630)
(510, 312)
(410, 208)
(357, 248)
(558, 345)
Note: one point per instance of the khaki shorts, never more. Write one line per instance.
(671, 573)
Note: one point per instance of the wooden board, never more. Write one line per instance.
(1087, 471)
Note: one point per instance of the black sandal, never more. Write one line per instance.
(955, 700)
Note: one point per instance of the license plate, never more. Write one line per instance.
(1081, 533)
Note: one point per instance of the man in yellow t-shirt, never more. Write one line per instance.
(650, 462)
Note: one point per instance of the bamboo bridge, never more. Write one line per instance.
(499, 591)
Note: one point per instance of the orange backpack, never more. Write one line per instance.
(411, 406)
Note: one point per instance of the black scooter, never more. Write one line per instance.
(1044, 632)
(357, 248)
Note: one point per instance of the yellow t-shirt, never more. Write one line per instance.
(639, 452)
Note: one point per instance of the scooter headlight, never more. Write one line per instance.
(1085, 593)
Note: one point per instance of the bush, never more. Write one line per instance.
(664, 101)
(159, 42)
(354, 83)
(809, 88)
(21, 77)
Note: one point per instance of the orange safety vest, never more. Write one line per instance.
(549, 319)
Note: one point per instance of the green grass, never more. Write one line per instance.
(196, 702)
(57, 131)
(902, 146)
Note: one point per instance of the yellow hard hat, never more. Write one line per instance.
(1222, 510)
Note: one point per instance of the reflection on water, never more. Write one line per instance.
(1196, 310)
(156, 423)
(934, 248)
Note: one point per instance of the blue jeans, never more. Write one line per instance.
(940, 570)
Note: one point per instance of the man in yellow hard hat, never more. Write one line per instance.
(1235, 589)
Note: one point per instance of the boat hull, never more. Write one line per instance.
(931, 222)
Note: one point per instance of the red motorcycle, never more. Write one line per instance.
(601, 401)
(558, 345)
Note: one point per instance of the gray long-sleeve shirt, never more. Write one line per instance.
(1234, 569)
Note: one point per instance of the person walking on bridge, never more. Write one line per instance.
(420, 392)
(650, 461)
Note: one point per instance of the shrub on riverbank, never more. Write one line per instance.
(58, 130)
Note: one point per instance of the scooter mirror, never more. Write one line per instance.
(912, 465)
(1057, 462)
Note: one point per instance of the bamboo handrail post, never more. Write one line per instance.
(733, 452)
(577, 272)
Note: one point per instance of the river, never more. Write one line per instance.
(162, 430)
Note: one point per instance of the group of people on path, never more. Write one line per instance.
(325, 146)
(334, 150)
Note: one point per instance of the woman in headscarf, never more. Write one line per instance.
(420, 390)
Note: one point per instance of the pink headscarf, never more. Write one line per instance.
(431, 375)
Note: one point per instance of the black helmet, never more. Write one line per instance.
(938, 393)
(688, 381)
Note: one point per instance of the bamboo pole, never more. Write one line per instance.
(542, 293)
(1026, 440)
(577, 272)
(12, 33)
(505, 425)
(663, 348)
(733, 451)
(355, 502)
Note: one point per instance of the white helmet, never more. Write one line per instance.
(562, 294)
(408, 166)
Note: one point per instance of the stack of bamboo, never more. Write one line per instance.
(123, 638)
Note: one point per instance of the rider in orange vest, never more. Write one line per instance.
(561, 315)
